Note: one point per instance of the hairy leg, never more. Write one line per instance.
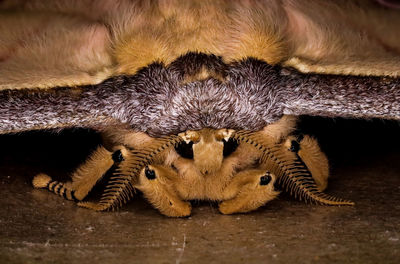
(85, 176)
(156, 183)
(248, 191)
(309, 152)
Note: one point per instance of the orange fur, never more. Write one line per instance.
(161, 194)
(280, 129)
(246, 192)
(85, 177)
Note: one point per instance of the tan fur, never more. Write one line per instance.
(47, 50)
(343, 37)
(203, 74)
(127, 137)
(193, 184)
(161, 194)
(85, 177)
(41, 180)
(280, 129)
(223, 184)
(246, 192)
(84, 42)
(207, 152)
(114, 137)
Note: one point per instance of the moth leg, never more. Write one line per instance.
(156, 183)
(250, 189)
(85, 176)
(309, 152)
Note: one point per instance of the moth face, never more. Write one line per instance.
(207, 147)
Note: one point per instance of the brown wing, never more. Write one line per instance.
(344, 37)
(44, 50)
(83, 42)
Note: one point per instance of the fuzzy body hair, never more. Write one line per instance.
(155, 101)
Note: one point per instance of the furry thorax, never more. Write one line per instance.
(163, 99)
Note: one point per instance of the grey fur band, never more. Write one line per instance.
(250, 95)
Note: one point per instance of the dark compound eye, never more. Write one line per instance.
(185, 150)
(150, 174)
(229, 146)
(264, 180)
(294, 146)
(117, 156)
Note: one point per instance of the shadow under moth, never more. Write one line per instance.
(196, 100)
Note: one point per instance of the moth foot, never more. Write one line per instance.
(257, 190)
(177, 208)
(156, 183)
(41, 181)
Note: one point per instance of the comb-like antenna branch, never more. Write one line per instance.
(293, 175)
(121, 185)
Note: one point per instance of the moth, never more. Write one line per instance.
(196, 100)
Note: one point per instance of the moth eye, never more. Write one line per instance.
(185, 150)
(150, 174)
(229, 146)
(294, 146)
(117, 156)
(264, 180)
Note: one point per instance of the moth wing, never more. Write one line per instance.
(68, 43)
(344, 37)
(41, 49)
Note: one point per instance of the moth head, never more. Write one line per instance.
(207, 147)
